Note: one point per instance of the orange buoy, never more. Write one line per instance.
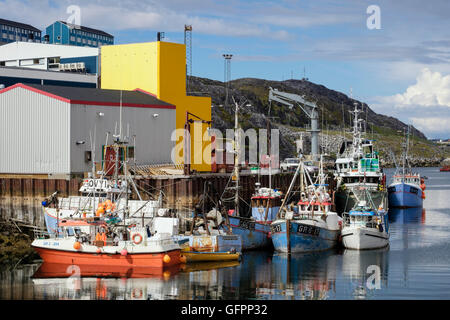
(100, 211)
(166, 258)
(77, 245)
(166, 275)
(183, 259)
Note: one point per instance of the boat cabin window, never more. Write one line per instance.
(69, 231)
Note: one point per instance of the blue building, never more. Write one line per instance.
(11, 31)
(62, 32)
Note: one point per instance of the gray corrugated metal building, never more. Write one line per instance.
(47, 129)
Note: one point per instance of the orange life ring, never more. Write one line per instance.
(137, 296)
(134, 238)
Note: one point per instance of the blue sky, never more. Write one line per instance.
(400, 70)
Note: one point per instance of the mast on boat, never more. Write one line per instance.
(237, 154)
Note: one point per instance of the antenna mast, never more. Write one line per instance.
(188, 44)
(227, 75)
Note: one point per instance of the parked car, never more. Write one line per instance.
(291, 164)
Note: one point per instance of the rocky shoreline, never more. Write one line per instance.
(15, 247)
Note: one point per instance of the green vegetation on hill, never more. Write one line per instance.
(334, 115)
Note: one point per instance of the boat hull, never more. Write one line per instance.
(254, 235)
(358, 238)
(192, 256)
(155, 260)
(403, 195)
(212, 243)
(303, 237)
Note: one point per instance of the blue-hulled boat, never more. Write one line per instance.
(312, 226)
(407, 188)
(407, 191)
(255, 231)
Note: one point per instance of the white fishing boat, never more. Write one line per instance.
(365, 227)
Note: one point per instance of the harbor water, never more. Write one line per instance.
(416, 265)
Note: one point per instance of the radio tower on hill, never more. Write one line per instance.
(227, 75)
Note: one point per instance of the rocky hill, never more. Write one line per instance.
(334, 113)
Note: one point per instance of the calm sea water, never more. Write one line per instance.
(415, 266)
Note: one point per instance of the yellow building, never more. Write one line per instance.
(160, 68)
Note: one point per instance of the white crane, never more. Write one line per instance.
(310, 108)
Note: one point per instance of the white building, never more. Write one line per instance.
(12, 75)
(50, 57)
(48, 129)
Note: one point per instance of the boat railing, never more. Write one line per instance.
(78, 203)
(41, 234)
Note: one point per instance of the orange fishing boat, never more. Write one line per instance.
(133, 247)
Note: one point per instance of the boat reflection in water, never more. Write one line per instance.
(301, 276)
(202, 280)
(365, 271)
(409, 215)
(63, 281)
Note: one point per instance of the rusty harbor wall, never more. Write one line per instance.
(20, 198)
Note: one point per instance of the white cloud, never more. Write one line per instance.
(431, 89)
(143, 15)
(436, 126)
(425, 104)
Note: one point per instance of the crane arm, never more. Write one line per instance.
(290, 99)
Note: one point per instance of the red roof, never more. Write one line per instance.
(99, 97)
